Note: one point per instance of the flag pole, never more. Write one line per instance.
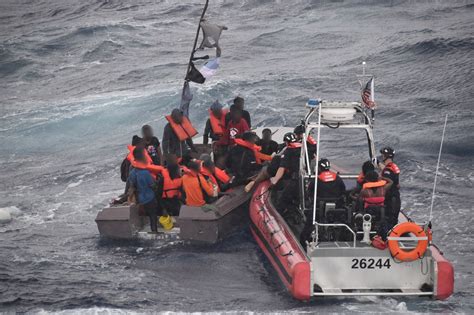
(191, 57)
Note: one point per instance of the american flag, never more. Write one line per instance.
(368, 94)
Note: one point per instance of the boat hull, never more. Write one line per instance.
(326, 270)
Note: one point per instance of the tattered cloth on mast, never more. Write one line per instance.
(186, 98)
(211, 34)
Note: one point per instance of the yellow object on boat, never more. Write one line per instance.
(166, 222)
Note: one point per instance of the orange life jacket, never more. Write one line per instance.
(311, 140)
(259, 157)
(184, 130)
(205, 172)
(171, 187)
(217, 124)
(140, 165)
(379, 198)
(295, 145)
(327, 176)
(222, 175)
(393, 167)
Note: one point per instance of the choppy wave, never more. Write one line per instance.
(79, 79)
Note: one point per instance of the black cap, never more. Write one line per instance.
(388, 151)
(324, 164)
(290, 137)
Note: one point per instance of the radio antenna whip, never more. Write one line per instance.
(437, 168)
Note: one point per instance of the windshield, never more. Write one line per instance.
(346, 149)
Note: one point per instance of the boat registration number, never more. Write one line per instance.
(370, 263)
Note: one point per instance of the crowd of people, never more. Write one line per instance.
(162, 177)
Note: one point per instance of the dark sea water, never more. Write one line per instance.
(79, 78)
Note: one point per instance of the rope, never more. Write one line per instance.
(437, 168)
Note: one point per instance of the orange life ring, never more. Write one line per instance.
(398, 231)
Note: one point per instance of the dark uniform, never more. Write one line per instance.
(269, 147)
(330, 186)
(392, 196)
(290, 161)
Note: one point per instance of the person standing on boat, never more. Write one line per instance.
(310, 142)
(142, 186)
(215, 129)
(151, 144)
(242, 159)
(236, 127)
(392, 199)
(239, 103)
(177, 134)
(289, 170)
(266, 143)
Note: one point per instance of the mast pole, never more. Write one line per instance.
(196, 39)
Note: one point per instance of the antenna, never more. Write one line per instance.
(437, 168)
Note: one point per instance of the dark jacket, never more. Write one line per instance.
(171, 143)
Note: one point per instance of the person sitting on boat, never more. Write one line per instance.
(310, 142)
(244, 159)
(236, 127)
(266, 143)
(150, 143)
(330, 184)
(373, 193)
(366, 167)
(142, 187)
(216, 175)
(215, 129)
(239, 103)
(197, 189)
(392, 199)
(170, 186)
(177, 134)
(288, 170)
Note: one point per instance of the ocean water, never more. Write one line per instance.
(79, 78)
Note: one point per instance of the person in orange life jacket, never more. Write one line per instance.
(197, 189)
(330, 184)
(216, 129)
(142, 186)
(392, 199)
(310, 142)
(217, 176)
(239, 103)
(150, 143)
(177, 135)
(368, 166)
(242, 161)
(170, 186)
(374, 190)
(236, 127)
(289, 170)
(266, 143)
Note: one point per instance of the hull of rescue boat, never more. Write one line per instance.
(207, 224)
(326, 272)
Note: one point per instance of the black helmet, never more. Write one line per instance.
(299, 129)
(388, 151)
(324, 164)
(290, 137)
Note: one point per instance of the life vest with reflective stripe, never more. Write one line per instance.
(259, 157)
(171, 187)
(327, 176)
(184, 130)
(217, 124)
(392, 167)
(310, 140)
(294, 145)
(378, 197)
